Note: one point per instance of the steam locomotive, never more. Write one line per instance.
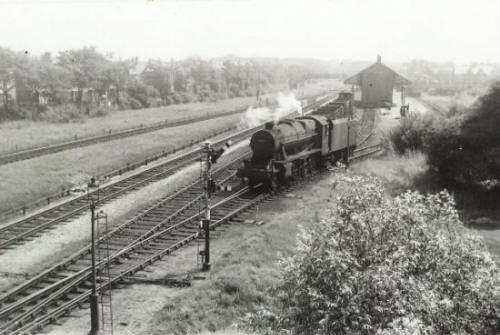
(293, 148)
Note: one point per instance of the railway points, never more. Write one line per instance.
(166, 226)
(17, 232)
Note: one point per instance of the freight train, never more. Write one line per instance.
(293, 148)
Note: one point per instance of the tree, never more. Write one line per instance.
(390, 266)
(86, 66)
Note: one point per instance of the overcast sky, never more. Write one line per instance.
(399, 30)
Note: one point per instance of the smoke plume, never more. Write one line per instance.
(287, 104)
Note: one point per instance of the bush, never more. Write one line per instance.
(409, 136)
(100, 111)
(60, 113)
(140, 94)
(460, 143)
(389, 266)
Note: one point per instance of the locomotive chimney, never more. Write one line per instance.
(379, 59)
(269, 125)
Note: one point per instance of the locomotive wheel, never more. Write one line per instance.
(308, 167)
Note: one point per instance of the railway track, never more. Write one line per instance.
(366, 151)
(50, 149)
(20, 231)
(155, 233)
(27, 228)
(158, 231)
(168, 225)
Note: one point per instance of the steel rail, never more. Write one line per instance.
(50, 149)
(21, 320)
(164, 169)
(81, 253)
(81, 273)
(38, 322)
(366, 151)
(177, 162)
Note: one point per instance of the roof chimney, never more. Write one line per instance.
(379, 59)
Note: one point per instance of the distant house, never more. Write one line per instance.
(7, 91)
(21, 94)
(377, 83)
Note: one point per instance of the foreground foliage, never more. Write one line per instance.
(387, 266)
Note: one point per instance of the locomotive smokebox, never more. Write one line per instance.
(269, 125)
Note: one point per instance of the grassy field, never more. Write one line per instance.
(26, 134)
(18, 135)
(25, 181)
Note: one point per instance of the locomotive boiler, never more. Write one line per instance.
(293, 148)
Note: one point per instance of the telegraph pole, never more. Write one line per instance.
(94, 306)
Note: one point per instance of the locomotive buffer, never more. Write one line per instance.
(209, 157)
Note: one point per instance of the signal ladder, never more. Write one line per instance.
(104, 275)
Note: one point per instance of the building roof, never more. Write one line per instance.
(398, 79)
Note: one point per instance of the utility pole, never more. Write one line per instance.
(94, 297)
(94, 306)
(205, 222)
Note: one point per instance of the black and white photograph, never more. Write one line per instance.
(240, 167)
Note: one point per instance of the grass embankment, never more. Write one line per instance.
(27, 134)
(19, 135)
(244, 268)
(27, 181)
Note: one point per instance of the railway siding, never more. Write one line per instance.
(143, 252)
(18, 231)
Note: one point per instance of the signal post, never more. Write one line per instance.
(209, 157)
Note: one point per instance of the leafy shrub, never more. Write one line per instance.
(409, 136)
(389, 266)
(187, 97)
(140, 94)
(99, 111)
(458, 142)
(60, 113)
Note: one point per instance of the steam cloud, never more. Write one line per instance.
(287, 104)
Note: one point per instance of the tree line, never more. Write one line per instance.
(87, 82)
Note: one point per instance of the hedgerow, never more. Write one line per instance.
(460, 143)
